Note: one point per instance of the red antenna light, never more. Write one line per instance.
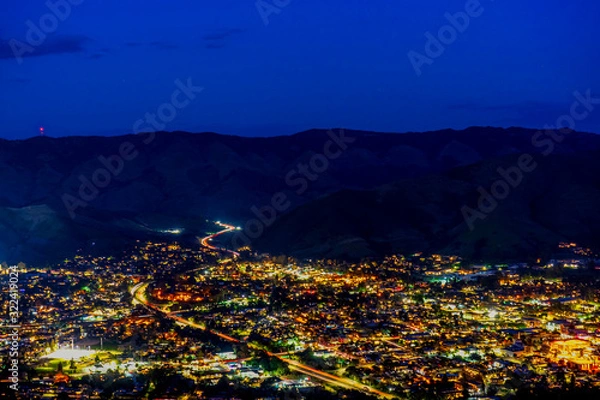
(42, 130)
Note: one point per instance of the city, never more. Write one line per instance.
(166, 321)
(299, 200)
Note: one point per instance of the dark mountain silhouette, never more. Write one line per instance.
(558, 201)
(178, 180)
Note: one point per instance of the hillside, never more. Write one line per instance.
(178, 180)
(558, 201)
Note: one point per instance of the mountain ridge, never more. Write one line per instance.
(180, 176)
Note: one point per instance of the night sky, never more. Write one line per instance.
(315, 63)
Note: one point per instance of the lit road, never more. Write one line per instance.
(205, 241)
(139, 294)
(333, 379)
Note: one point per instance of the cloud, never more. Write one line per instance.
(214, 40)
(21, 81)
(222, 34)
(63, 44)
(164, 45)
(156, 45)
(217, 39)
(214, 45)
(99, 53)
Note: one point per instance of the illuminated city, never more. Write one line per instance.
(166, 320)
(299, 200)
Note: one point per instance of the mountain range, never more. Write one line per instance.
(346, 193)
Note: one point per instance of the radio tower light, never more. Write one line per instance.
(41, 131)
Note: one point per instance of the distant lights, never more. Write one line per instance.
(175, 231)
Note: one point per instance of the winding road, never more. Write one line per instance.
(205, 240)
(139, 294)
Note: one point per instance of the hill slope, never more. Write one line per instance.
(558, 201)
(179, 179)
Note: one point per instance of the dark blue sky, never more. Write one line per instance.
(335, 63)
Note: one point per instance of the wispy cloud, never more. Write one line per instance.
(222, 34)
(156, 44)
(19, 80)
(217, 39)
(99, 53)
(164, 45)
(214, 45)
(213, 40)
(64, 44)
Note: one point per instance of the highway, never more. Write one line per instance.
(139, 294)
(333, 379)
(205, 240)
